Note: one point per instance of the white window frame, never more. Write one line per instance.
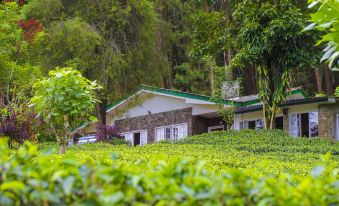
(299, 114)
(172, 129)
(336, 127)
(245, 123)
(142, 142)
(216, 127)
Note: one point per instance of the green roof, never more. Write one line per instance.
(194, 96)
(174, 93)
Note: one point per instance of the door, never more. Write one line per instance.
(136, 139)
(143, 137)
(279, 123)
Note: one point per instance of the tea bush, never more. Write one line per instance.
(264, 152)
(220, 168)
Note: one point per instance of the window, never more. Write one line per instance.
(173, 132)
(136, 137)
(304, 124)
(244, 125)
(168, 133)
(253, 124)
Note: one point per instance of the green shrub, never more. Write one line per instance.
(117, 141)
(263, 152)
(29, 178)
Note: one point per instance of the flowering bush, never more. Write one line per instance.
(105, 133)
(20, 124)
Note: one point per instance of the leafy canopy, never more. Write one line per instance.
(65, 93)
(270, 38)
(326, 19)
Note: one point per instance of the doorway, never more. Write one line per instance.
(305, 125)
(136, 139)
(279, 123)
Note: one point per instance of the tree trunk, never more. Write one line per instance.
(272, 120)
(318, 81)
(62, 149)
(63, 140)
(207, 7)
(212, 81)
(101, 111)
(328, 81)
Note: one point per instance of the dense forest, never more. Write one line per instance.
(189, 45)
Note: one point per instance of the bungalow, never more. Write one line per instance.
(152, 114)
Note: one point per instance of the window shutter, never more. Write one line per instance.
(160, 134)
(336, 128)
(244, 125)
(313, 124)
(182, 131)
(143, 138)
(294, 125)
(129, 137)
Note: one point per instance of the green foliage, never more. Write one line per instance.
(29, 178)
(262, 152)
(65, 99)
(19, 59)
(113, 42)
(270, 38)
(209, 35)
(65, 92)
(227, 114)
(325, 18)
(189, 79)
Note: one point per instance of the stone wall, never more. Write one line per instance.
(151, 121)
(326, 120)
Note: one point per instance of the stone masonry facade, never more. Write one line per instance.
(151, 121)
(326, 120)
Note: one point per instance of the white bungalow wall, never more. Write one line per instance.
(259, 115)
(159, 103)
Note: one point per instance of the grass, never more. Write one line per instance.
(263, 152)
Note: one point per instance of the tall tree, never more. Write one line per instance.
(270, 38)
(114, 42)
